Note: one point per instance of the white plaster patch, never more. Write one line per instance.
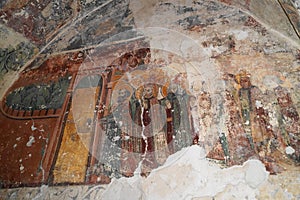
(255, 174)
(289, 150)
(33, 128)
(258, 104)
(22, 167)
(271, 81)
(30, 141)
(116, 138)
(187, 174)
(239, 34)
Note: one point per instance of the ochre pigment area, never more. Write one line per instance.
(149, 99)
(72, 157)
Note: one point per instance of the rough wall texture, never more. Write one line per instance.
(146, 79)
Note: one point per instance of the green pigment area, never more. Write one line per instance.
(39, 97)
(13, 58)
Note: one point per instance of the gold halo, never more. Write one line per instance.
(242, 74)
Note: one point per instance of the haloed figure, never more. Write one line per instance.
(254, 116)
(153, 112)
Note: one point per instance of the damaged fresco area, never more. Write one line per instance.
(266, 126)
(14, 58)
(130, 94)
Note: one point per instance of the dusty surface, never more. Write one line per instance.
(148, 78)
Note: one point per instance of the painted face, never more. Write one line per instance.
(283, 98)
(284, 101)
(148, 91)
(205, 101)
(245, 82)
(122, 93)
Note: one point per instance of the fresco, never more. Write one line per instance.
(102, 94)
